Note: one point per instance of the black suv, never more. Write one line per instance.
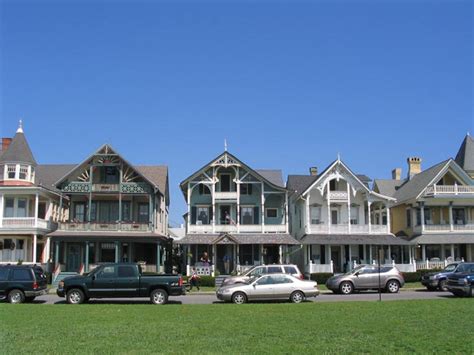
(22, 283)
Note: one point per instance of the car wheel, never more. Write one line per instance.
(442, 285)
(239, 298)
(30, 299)
(393, 286)
(16, 296)
(297, 297)
(346, 288)
(159, 296)
(75, 296)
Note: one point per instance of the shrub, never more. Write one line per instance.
(208, 281)
(416, 276)
(320, 278)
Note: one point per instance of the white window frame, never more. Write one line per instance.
(314, 208)
(208, 207)
(271, 208)
(15, 206)
(230, 181)
(356, 214)
(251, 207)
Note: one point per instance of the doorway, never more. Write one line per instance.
(225, 258)
(334, 216)
(225, 217)
(74, 252)
(336, 259)
(271, 254)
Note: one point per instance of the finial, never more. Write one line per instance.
(338, 156)
(20, 127)
(225, 145)
(468, 133)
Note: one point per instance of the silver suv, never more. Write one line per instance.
(263, 270)
(366, 277)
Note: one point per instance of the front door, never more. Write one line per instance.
(334, 217)
(336, 259)
(271, 254)
(225, 259)
(74, 252)
(225, 217)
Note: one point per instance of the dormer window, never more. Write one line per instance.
(19, 172)
(11, 171)
(23, 172)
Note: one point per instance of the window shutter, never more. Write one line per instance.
(249, 189)
(193, 215)
(255, 215)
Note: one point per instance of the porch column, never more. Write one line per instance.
(328, 256)
(348, 208)
(214, 255)
(365, 253)
(388, 218)
(451, 227)
(423, 252)
(36, 217)
(280, 253)
(35, 239)
(422, 215)
(368, 216)
(409, 254)
(86, 261)
(328, 198)
(237, 252)
(47, 250)
(56, 253)
(238, 202)
(308, 215)
(213, 205)
(389, 253)
(350, 257)
(116, 252)
(452, 251)
(287, 229)
(1, 210)
(158, 257)
(263, 208)
(342, 256)
(261, 253)
(189, 206)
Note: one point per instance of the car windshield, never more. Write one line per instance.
(353, 271)
(252, 279)
(450, 268)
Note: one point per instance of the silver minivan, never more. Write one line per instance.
(263, 270)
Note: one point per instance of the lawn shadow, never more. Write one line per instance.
(102, 302)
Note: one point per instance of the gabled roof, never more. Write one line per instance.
(48, 174)
(299, 183)
(18, 151)
(270, 176)
(387, 187)
(465, 156)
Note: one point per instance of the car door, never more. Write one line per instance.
(262, 288)
(283, 286)
(103, 282)
(127, 282)
(366, 278)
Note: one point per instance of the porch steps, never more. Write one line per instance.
(62, 275)
(220, 279)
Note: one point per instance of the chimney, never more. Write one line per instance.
(313, 170)
(6, 143)
(414, 166)
(397, 173)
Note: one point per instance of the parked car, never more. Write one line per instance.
(461, 283)
(366, 277)
(438, 280)
(269, 287)
(264, 270)
(22, 283)
(121, 280)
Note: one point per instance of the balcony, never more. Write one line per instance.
(233, 228)
(437, 228)
(338, 195)
(105, 187)
(125, 187)
(344, 228)
(24, 223)
(105, 227)
(449, 190)
(232, 195)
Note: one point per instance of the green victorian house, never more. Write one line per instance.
(118, 212)
(237, 217)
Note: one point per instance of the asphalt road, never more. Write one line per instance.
(211, 298)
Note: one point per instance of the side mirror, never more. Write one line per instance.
(357, 274)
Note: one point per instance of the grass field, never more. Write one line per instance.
(370, 327)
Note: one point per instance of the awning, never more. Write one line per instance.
(354, 239)
(143, 237)
(259, 238)
(444, 238)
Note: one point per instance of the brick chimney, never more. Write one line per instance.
(397, 173)
(6, 143)
(414, 166)
(313, 170)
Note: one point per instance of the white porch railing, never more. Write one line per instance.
(135, 227)
(319, 268)
(225, 195)
(433, 264)
(436, 228)
(24, 222)
(344, 228)
(338, 195)
(449, 190)
(200, 270)
(243, 228)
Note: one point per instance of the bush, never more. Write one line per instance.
(416, 276)
(320, 278)
(207, 281)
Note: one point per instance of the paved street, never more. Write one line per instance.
(211, 298)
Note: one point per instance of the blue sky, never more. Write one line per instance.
(288, 83)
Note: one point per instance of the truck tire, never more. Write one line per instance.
(159, 296)
(30, 299)
(16, 296)
(75, 296)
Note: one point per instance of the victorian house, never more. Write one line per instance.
(118, 212)
(341, 222)
(434, 208)
(29, 204)
(236, 217)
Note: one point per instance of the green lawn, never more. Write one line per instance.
(370, 327)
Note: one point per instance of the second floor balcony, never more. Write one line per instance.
(237, 228)
(105, 226)
(124, 187)
(450, 190)
(345, 228)
(25, 223)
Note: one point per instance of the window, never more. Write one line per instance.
(245, 189)
(266, 280)
(110, 175)
(9, 207)
(315, 214)
(281, 279)
(408, 217)
(332, 185)
(290, 270)
(11, 170)
(94, 211)
(246, 215)
(3, 274)
(354, 214)
(126, 211)
(23, 172)
(143, 213)
(458, 216)
(21, 208)
(225, 182)
(107, 273)
(271, 212)
(203, 215)
(79, 212)
(108, 211)
(22, 275)
(258, 271)
(126, 271)
(204, 190)
(274, 270)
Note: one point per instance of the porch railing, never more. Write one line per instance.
(24, 222)
(338, 195)
(344, 228)
(243, 228)
(449, 190)
(129, 227)
(467, 227)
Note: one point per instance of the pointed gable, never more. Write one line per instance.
(19, 151)
(465, 155)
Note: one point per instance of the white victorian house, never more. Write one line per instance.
(341, 222)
